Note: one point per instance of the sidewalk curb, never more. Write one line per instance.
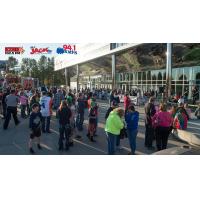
(190, 138)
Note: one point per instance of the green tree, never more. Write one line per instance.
(42, 66)
(11, 63)
(25, 66)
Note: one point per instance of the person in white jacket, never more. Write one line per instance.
(46, 111)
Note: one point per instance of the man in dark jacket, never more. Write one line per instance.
(11, 101)
(149, 113)
(113, 106)
(64, 115)
(5, 93)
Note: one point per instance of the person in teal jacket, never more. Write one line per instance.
(114, 124)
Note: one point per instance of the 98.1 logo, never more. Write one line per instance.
(67, 48)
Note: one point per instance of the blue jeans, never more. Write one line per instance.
(46, 126)
(118, 141)
(111, 143)
(132, 134)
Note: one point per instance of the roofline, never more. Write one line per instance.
(110, 52)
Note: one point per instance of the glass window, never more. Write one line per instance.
(153, 79)
(139, 77)
(144, 76)
(149, 75)
(130, 76)
(159, 76)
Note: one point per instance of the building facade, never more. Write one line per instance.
(151, 78)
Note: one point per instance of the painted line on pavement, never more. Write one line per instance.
(89, 146)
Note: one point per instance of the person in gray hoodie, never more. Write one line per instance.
(11, 101)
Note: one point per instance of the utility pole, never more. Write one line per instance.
(77, 80)
(168, 70)
(113, 71)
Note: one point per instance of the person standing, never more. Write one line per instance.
(188, 110)
(72, 122)
(149, 113)
(162, 121)
(45, 105)
(11, 101)
(186, 93)
(64, 115)
(34, 100)
(113, 106)
(132, 118)
(127, 102)
(80, 113)
(116, 97)
(114, 124)
(173, 111)
(6, 92)
(58, 97)
(35, 127)
(23, 103)
(1, 104)
(111, 97)
(195, 95)
(197, 112)
(181, 119)
(93, 105)
(92, 124)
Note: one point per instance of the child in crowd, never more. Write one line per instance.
(35, 126)
(92, 124)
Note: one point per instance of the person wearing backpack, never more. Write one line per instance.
(180, 120)
(132, 118)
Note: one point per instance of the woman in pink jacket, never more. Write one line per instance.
(162, 122)
(23, 103)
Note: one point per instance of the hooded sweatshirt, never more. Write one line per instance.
(114, 123)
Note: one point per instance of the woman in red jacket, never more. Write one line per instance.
(127, 102)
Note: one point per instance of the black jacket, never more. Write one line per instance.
(64, 116)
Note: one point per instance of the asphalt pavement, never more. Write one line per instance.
(14, 140)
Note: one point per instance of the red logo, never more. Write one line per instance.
(14, 50)
(40, 50)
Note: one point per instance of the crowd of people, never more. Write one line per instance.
(71, 107)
